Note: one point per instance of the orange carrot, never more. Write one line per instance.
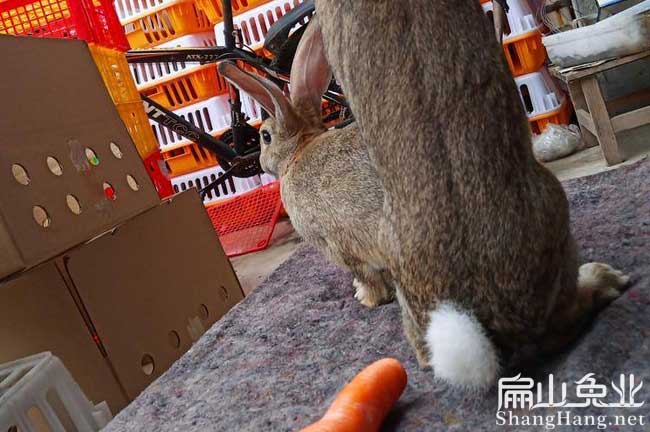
(364, 402)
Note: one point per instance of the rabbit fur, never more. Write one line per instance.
(328, 186)
(475, 231)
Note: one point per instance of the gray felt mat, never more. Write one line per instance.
(276, 360)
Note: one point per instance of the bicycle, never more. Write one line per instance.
(237, 150)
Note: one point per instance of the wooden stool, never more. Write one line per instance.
(596, 125)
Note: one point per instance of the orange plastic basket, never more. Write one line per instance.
(138, 126)
(525, 54)
(163, 25)
(115, 72)
(212, 8)
(89, 20)
(188, 89)
(188, 158)
(245, 223)
(561, 116)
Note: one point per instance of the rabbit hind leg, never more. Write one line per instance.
(597, 285)
(372, 286)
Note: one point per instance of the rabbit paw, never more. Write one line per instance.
(365, 294)
(605, 282)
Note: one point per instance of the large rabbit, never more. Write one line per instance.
(328, 186)
(477, 232)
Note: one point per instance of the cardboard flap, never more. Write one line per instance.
(38, 314)
(153, 286)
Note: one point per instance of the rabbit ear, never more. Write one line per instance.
(310, 71)
(266, 93)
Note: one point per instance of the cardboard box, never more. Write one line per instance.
(62, 146)
(144, 292)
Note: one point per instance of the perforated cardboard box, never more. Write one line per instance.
(153, 286)
(68, 167)
(122, 308)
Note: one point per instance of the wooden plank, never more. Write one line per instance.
(581, 73)
(631, 120)
(628, 102)
(579, 103)
(585, 120)
(555, 72)
(602, 123)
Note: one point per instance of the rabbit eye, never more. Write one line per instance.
(266, 137)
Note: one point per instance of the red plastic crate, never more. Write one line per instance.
(157, 172)
(89, 20)
(245, 223)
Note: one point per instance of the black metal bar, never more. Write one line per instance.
(236, 115)
(228, 26)
(161, 115)
(188, 55)
(216, 184)
(344, 123)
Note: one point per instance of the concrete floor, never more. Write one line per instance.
(253, 268)
(591, 161)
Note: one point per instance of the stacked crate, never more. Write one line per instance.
(95, 22)
(165, 23)
(117, 78)
(194, 92)
(543, 101)
(243, 211)
(91, 20)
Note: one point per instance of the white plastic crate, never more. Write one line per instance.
(267, 178)
(131, 10)
(539, 93)
(27, 389)
(250, 107)
(212, 116)
(255, 23)
(231, 188)
(147, 75)
(196, 40)
(521, 17)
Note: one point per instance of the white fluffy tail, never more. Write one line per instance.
(460, 351)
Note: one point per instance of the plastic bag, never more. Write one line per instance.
(557, 141)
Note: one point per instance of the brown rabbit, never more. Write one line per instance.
(329, 188)
(477, 231)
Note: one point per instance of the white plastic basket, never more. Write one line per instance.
(539, 93)
(147, 75)
(26, 390)
(267, 178)
(196, 40)
(255, 23)
(521, 17)
(131, 10)
(212, 116)
(231, 188)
